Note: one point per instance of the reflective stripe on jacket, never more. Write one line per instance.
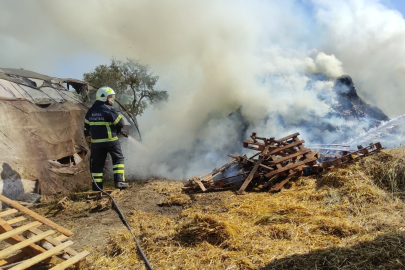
(104, 122)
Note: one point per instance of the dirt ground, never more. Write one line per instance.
(344, 218)
(92, 225)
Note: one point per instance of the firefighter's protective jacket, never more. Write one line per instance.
(103, 122)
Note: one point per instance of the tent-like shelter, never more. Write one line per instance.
(42, 144)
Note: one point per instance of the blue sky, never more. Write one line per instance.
(396, 4)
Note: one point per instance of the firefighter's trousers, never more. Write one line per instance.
(99, 154)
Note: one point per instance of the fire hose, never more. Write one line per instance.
(123, 219)
(133, 119)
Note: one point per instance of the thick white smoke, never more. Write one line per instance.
(230, 67)
(368, 38)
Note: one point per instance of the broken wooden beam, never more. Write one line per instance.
(250, 176)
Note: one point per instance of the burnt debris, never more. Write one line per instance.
(275, 164)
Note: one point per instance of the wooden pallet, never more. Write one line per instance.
(277, 162)
(279, 159)
(362, 152)
(29, 245)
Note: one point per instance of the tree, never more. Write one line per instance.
(133, 82)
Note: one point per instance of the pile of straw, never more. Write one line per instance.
(347, 218)
(172, 194)
(205, 228)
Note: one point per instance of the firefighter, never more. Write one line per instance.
(103, 123)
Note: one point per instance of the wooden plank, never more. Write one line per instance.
(61, 238)
(280, 185)
(250, 176)
(277, 150)
(261, 165)
(195, 179)
(278, 165)
(55, 242)
(258, 148)
(290, 166)
(288, 137)
(42, 256)
(19, 230)
(25, 243)
(15, 220)
(271, 180)
(8, 212)
(71, 261)
(364, 151)
(266, 167)
(333, 149)
(9, 260)
(32, 249)
(290, 156)
(34, 215)
(238, 158)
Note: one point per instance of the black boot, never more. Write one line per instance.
(121, 185)
(94, 188)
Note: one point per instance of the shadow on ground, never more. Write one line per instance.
(384, 252)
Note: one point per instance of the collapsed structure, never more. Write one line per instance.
(43, 149)
(276, 163)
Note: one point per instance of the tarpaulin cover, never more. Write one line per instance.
(38, 127)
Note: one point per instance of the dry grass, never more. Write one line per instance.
(172, 194)
(387, 169)
(176, 199)
(205, 228)
(348, 218)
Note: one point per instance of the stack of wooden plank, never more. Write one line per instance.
(276, 163)
(25, 244)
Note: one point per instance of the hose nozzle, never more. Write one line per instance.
(123, 134)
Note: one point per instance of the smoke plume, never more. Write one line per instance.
(230, 67)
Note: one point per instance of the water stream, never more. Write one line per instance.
(390, 133)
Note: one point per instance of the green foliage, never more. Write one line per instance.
(133, 82)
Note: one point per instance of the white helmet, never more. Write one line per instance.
(103, 93)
